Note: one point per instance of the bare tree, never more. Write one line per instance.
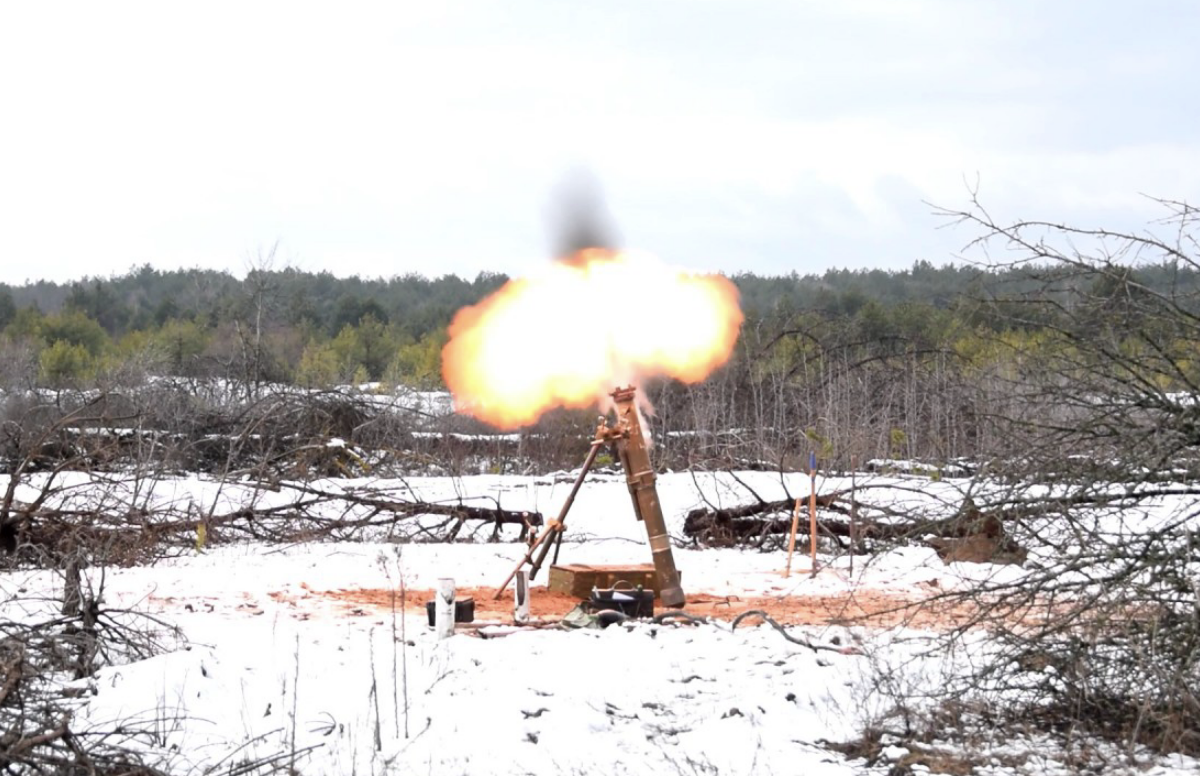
(254, 316)
(1099, 476)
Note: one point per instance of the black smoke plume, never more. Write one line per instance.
(579, 217)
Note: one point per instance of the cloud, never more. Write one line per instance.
(388, 138)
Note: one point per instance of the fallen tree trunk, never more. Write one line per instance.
(463, 512)
(967, 535)
(826, 501)
(131, 533)
(747, 522)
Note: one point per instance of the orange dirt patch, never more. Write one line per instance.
(863, 607)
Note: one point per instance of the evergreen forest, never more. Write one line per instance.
(899, 364)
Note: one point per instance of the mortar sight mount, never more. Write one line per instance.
(627, 437)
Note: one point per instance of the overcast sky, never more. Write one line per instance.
(763, 135)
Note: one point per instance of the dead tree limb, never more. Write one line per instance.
(755, 523)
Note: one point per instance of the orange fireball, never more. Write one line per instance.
(565, 337)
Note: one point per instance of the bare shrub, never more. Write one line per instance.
(1101, 634)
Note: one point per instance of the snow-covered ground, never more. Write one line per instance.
(269, 662)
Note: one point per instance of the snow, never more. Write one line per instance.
(272, 664)
(629, 700)
(268, 663)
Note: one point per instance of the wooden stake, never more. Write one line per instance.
(787, 572)
(853, 510)
(812, 508)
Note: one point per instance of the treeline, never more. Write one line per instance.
(923, 372)
(273, 325)
(145, 298)
(847, 363)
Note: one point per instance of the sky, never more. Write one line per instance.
(769, 136)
